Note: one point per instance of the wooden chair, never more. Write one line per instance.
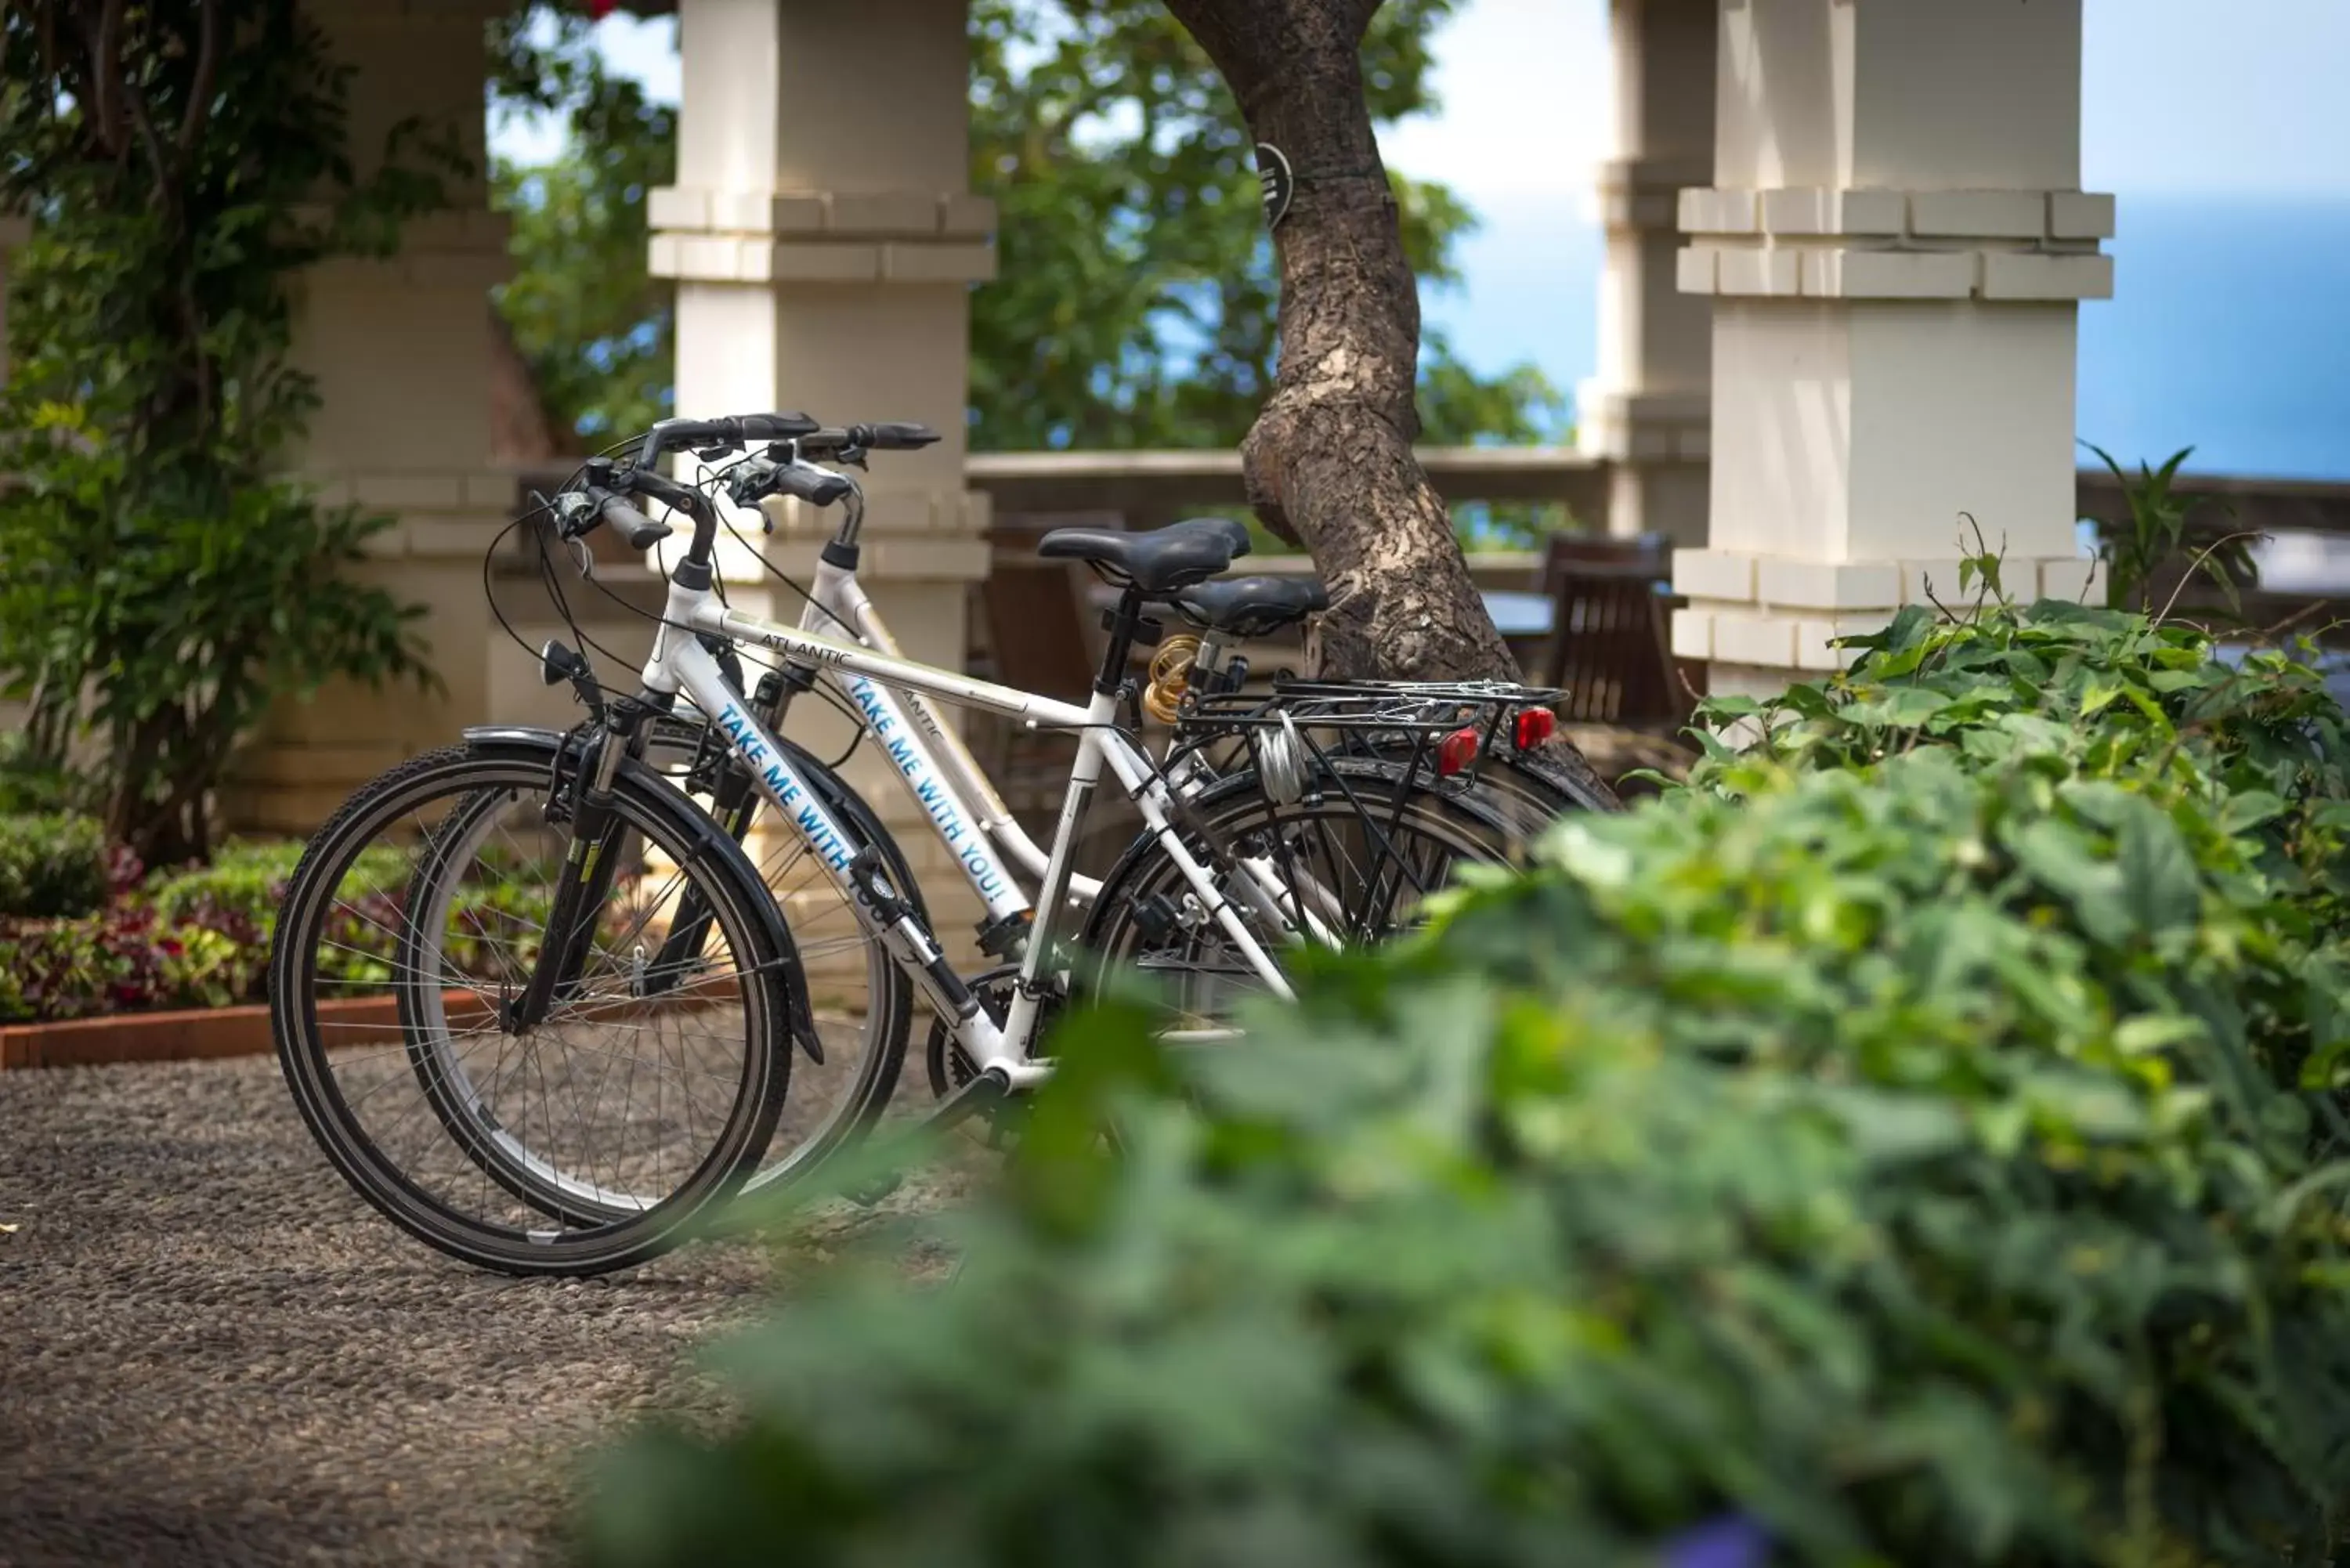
(1611, 643)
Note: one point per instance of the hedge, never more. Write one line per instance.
(1914, 1142)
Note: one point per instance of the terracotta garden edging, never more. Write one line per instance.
(193, 1035)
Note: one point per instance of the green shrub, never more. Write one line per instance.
(30, 785)
(50, 866)
(1911, 1143)
(246, 883)
(55, 968)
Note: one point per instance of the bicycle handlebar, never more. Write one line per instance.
(759, 477)
(889, 435)
(739, 429)
(605, 496)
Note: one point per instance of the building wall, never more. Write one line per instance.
(402, 353)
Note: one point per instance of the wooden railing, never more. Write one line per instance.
(2306, 522)
(2273, 506)
(1152, 487)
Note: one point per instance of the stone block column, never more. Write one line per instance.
(1894, 246)
(824, 242)
(1645, 410)
(401, 351)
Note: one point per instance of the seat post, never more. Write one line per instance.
(1124, 625)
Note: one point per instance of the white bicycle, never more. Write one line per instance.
(469, 1048)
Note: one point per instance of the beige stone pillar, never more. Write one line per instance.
(824, 243)
(1896, 245)
(401, 352)
(1645, 410)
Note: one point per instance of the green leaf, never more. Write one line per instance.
(2243, 813)
(2157, 873)
(2060, 858)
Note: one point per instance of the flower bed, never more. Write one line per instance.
(87, 933)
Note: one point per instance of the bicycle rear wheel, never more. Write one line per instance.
(1350, 863)
(860, 1004)
(589, 1141)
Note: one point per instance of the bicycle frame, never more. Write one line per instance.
(681, 664)
(931, 761)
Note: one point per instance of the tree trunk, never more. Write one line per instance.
(1329, 461)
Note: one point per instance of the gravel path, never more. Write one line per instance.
(212, 1352)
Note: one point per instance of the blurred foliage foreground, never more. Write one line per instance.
(1915, 1141)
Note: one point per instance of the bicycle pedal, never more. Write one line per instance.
(987, 1089)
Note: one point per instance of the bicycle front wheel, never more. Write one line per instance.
(590, 1139)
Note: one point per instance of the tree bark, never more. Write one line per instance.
(1329, 463)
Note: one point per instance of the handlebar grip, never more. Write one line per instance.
(891, 435)
(672, 435)
(774, 427)
(814, 487)
(640, 531)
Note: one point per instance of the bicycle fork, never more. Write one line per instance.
(598, 845)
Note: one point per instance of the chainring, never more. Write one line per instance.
(951, 1067)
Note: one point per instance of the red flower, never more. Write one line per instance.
(598, 9)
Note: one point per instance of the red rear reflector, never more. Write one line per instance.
(1535, 725)
(1456, 751)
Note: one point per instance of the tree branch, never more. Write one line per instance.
(199, 89)
(104, 40)
(137, 105)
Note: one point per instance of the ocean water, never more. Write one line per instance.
(2229, 330)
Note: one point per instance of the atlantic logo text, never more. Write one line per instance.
(822, 835)
(930, 790)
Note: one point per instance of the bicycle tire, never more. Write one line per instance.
(1480, 827)
(875, 1061)
(884, 1056)
(492, 761)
